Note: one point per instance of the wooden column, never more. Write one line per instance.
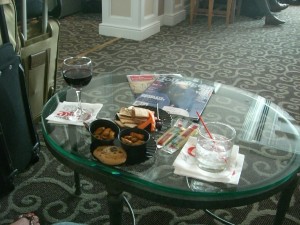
(131, 19)
(174, 12)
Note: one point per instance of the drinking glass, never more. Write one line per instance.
(77, 72)
(213, 149)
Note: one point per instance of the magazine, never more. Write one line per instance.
(177, 95)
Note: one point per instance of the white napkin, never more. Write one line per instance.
(63, 109)
(185, 165)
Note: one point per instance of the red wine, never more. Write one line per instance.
(77, 78)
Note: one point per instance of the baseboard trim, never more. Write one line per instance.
(173, 19)
(129, 32)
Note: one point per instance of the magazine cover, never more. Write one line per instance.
(177, 95)
(139, 83)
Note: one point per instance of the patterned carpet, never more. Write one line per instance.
(247, 54)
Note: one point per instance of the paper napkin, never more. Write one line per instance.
(185, 165)
(64, 110)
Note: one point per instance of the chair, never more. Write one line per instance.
(213, 10)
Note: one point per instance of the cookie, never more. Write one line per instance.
(110, 155)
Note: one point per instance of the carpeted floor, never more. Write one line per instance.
(248, 55)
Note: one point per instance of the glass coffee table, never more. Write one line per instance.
(267, 136)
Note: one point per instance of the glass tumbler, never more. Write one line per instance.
(214, 146)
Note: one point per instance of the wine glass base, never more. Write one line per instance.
(80, 115)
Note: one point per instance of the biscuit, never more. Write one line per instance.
(110, 155)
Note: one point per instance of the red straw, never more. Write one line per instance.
(200, 117)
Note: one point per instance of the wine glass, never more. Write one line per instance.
(77, 72)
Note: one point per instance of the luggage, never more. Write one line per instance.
(19, 142)
(91, 6)
(39, 54)
(34, 8)
(11, 19)
(67, 7)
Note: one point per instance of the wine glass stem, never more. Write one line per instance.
(78, 94)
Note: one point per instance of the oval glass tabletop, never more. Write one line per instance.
(267, 136)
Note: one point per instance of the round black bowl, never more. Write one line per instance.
(135, 153)
(103, 123)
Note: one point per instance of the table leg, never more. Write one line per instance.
(73, 138)
(115, 205)
(284, 201)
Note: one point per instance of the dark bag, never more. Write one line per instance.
(250, 9)
(34, 8)
(91, 6)
(19, 143)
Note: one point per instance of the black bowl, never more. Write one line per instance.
(107, 124)
(135, 153)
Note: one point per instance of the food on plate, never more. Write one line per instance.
(104, 133)
(133, 139)
(144, 124)
(110, 155)
(136, 117)
(140, 112)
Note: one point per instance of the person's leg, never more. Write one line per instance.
(276, 6)
(270, 19)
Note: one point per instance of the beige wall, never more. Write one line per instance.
(149, 7)
(121, 8)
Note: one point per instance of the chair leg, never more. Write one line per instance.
(191, 11)
(194, 5)
(210, 12)
(228, 11)
(233, 10)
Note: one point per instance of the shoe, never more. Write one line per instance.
(278, 7)
(31, 218)
(273, 20)
(293, 2)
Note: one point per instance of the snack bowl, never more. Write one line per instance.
(134, 142)
(103, 132)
